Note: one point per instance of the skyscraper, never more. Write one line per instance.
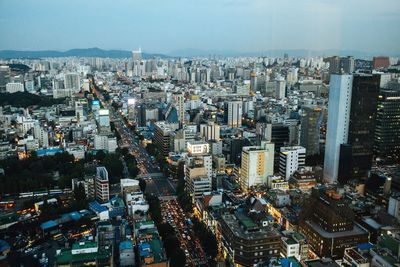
(362, 122)
(311, 119)
(351, 120)
(387, 129)
(338, 123)
(137, 62)
(137, 55)
(233, 113)
(72, 81)
(179, 102)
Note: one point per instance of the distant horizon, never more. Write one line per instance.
(227, 52)
(224, 25)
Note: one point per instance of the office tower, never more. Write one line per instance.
(257, 164)
(179, 102)
(138, 66)
(381, 62)
(338, 123)
(351, 120)
(41, 134)
(387, 129)
(233, 113)
(72, 81)
(210, 131)
(327, 222)
(292, 76)
(280, 88)
(311, 120)
(162, 136)
(290, 159)
(104, 118)
(347, 64)
(14, 87)
(137, 54)
(334, 64)
(102, 185)
(30, 86)
(362, 122)
(198, 169)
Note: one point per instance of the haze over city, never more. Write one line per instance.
(174, 27)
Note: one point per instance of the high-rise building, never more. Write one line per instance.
(381, 62)
(338, 123)
(102, 185)
(14, 87)
(351, 120)
(233, 113)
(198, 169)
(311, 120)
(347, 64)
(72, 81)
(137, 54)
(257, 164)
(210, 131)
(179, 102)
(364, 99)
(334, 64)
(280, 88)
(387, 128)
(327, 222)
(290, 159)
(104, 118)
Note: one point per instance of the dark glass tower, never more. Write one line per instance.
(364, 99)
(387, 130)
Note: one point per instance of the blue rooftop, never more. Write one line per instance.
(96, 207)
(125, 245)
(48, 224)
(49, 151)
(365, 246)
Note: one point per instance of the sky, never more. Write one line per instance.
(164, 26)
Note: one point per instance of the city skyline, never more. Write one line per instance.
(173, 27)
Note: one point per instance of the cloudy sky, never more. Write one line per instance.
(167, 25)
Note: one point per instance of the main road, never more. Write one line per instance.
(156, 182)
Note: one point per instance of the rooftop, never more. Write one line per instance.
(356, 231)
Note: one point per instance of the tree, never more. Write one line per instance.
(171, 243)
(114, 166)
(178, 258)
(165, 230)
(142, 184)
(100, 155)
(79, 193)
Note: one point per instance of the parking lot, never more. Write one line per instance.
(174, 215)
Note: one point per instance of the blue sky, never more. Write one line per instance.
(167, 25)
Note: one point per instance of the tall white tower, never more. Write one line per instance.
(340, 88)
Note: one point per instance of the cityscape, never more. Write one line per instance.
(157, 146)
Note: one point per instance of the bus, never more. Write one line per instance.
(58, 237)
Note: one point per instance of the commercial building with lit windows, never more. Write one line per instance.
(387, 128)
(247, 242)
(327, 222)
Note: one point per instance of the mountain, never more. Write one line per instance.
(278, 53)
(85, 52)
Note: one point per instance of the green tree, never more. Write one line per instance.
(100, 155)
(178, 258)
(142, 184)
